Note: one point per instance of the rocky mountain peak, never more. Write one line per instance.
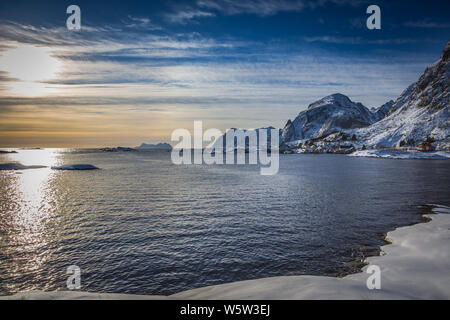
(338, 99)
(332, 113)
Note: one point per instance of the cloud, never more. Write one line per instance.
(361, 40)
(121, 68)
(5, 76)
(358, 23)
(187, 15)
(426, 23)
(142, 23)
(106, 43)
(258, 7)
(265, 8)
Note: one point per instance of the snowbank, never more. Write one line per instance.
(76, 167)
(401, 154)
(415, 266)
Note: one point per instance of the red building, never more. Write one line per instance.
(425, 147)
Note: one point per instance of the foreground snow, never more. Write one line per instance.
(415, 266)
(401, 154)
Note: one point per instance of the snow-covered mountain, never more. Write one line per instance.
(221, 144)
(329, 114)
(420, 113)
(337, 124)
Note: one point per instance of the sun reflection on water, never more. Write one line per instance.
(26, 226)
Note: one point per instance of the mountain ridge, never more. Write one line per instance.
(420, 113)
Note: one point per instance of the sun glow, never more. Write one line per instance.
(30, 66)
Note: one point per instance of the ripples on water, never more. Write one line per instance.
(143, 225)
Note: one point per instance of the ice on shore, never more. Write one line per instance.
(17, 166)
(390, 154)
(415, 265)
(76, 167)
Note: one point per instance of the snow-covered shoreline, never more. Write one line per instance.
(400, 154)
(414, 265)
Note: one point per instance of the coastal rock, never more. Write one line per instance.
(124, 149)
(76, 167)
(18, 166)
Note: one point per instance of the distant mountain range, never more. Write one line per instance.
(160, 146)
(142, 147)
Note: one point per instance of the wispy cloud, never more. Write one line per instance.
(268, 7)
(361, 40)
(107, 40)
(187, 15)
(186, 69)
(263, 8)
(142, 23)
(258, 7)
(426, 23)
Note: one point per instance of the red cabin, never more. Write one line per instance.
(425, 147)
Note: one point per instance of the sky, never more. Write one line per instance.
(137, 70)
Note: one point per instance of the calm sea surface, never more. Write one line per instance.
(143, 225)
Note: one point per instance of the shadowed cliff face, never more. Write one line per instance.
(420, 113)
(432, 87)
(431, 90)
